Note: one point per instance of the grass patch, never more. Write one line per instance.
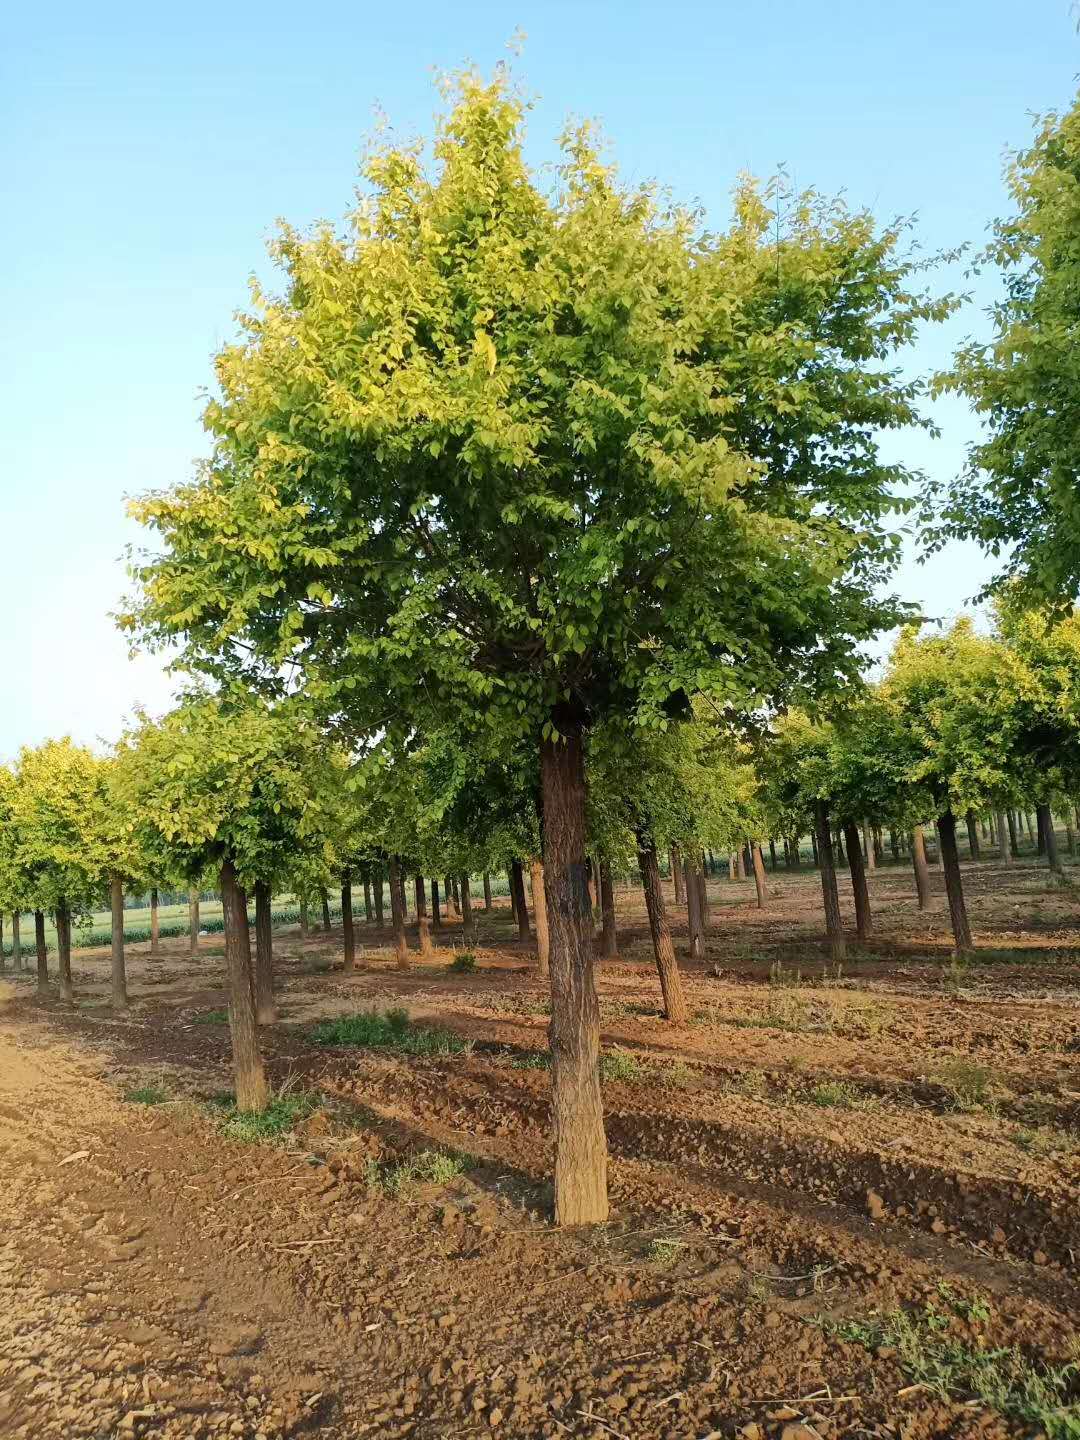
(388, 1030)
(1047, 1140)
(531, 1060)
(968, 1086)
(749, 1083)
(664, 1253)
(427, 1167)
(836, 1095)
(212, 1017)
(463, 963)
(146, 1095)
(1002, 1379)
(281, 1115)
(619, 1065)
(680, 1076)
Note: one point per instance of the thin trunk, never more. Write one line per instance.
(42, 953)
(487, 891)
(740, 865)
(193, 920)
(954, 886)
(834, 927)
(1028, 825)
(675, 1008)
(377, 888)
(759, 872)
(517, 880)
(468, 929)
(731, 866)
(119, 967)
(540, 914)
(155, 924)
(772, 855)
(838, 846)
(693, 911)
(787, 853)
(3, 960)
(894, 845)
(63, 951)
(677, 875)
(348, 931)
(326, 912)
(397, 913)
(813, 846)
(609, 940)
(248, 1074)
(858, 878)
(16, 940)
(1050, 845)
(423, 924)
(511, 890)
(305, 924)
(973, 835)
(436, 917)
(456, 894)
(920, 865)
(1070, 838)
(577, 1109)
(1014, 846)
(869, 847)
(368, 912)
(265, 1009)
(1004, 848)
(703, 897)
(747, 859)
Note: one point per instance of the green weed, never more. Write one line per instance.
(968, 1085)
(463, 963)
(146, 1095)
(427, 1167)
(280, 1116)
(388, 1030)
(531, 1060)
(665, 1252)
(750, 1083)
(836, 1095)
(212, 1017)
(619, 1065)
(1047, 1140)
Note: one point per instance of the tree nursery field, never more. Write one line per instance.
(843, 1197)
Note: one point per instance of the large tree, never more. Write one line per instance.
(524, 457)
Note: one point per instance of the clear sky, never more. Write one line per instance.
(147, 149)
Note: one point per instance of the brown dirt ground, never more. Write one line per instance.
(157, 1279)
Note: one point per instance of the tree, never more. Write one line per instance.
(528, 459)
(1017, 496)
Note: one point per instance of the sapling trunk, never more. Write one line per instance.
(834, 927)
(759, 872)
(397, 914)
(740, 865)
(42, 953)
(677, 875)
(1014, 844)
(540, 915)
(16, 940)
(920, 866)
(577, 1109)
(3, 961)
(703, 896)
(348, 932)
(305, 924)
(436, 917)
(954, 885)
(973, 835)
(487, 890)
(377, 888)
(868, 847)
(368, 915)
(455, 894)
(772, 855)
(609, 942)
(248, 1074)
(265, 1009)
(693, 911)
(468, 928)
(193, 920)
(423, 924)
(325, 911)
(731, 866)
(517, 880)
(1050, 845)
(1003, 847)
(858, 879)
(63, 950)
(667, 968)
(155, 923)
(118, 967)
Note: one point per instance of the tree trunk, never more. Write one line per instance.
(674, 1001)
(16, 940)
(1014, 845)
(813, 846)
(436, 917)
(42, 953)
(772, 855)
(677, 875)
(487, 891)
(1070, 838)
(3, 961)
(740, 865)
(577, 1110)
(693, 911)
(858, 879)
(609, 940)
(517, 881)
(377, 890)
(326, 912)
(1046, 825)
(248, 1075)
(954, 887)
(193, 920)
(894, 845)
(973, 835)
(423, 924)
(1004, 849)
(397, 914)
(838, 847)
(305, 924)
(920, 866)
(540, 914)
(834, 927)
(368, 912)
(703, 897)
(731, 866)
(759, 872)
(155, 923)
(455, 894)
(869, 847)
(468, 929)
(119, 967)
(348, 930)
(63, 951)
(265, 1009)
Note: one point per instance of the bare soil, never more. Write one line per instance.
(814, 1146)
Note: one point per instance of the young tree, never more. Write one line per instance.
(531, 458)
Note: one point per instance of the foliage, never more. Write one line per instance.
(463, 963)
(56, 848)
(278, 1119)
(426, 1167)
(389, 1030)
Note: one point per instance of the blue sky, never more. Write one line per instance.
(148, 149)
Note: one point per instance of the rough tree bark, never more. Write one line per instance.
(834, 926)
(695, 929)
(759, 872)
(954, 885)
(1003, 847)
(16, 940)
(468, 928)
(119, 966)
(675, 1008)
(920, 865)
(868, 847)
(193, 920)
(1045, 821)
(455, 894)
(973, 835)
(305, 924)
(155, 923)
(609, 940)
(348, 931)
(436, 917)
(63, 951)
(543, 939)
(740, 865)
(265, 1008)
(517, 882)
(368, 914)
(858, 879)
(487, 890)
(397, 914)
(423, 924)
(326, 912)
(249, 1077)
(42, 953)
(1014, 845)
(677, 875)
(377, 889)
(577, 1110)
